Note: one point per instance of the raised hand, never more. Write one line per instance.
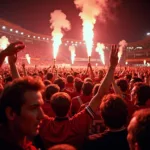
(114, 56)
(14, 48)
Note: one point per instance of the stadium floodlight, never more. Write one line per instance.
(17, 31)
(3, 27)
(22, 33)
(11, 30)
(148, 33)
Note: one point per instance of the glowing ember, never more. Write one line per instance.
(58, 22)
(100, 49)
(72, 50)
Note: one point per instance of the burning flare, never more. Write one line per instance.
(28, 58)
(4, 42)
(58, 22)
(90, 10)
(72, 50)
(100, 49)
(122, 45)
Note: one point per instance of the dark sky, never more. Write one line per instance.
(132, 18)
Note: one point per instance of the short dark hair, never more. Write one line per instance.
(13, 95)
(123, 84)
(60, 82)
(114, 111)
(49, 76)
(78, 84)
(70, 79)
(60, 103)
(47, 82)
(87, 88)
(140, 131)
(143, 93)
(50, 90)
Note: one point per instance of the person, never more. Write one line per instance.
(21, 113)
(114, 113)
(85, 97)
(139, 130)
(140, 95)
(49, 91)
(61, 129)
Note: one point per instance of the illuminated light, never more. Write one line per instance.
(34, 37)
(43, 38)
(71, 41)
(144, 62)
(11, 30)
(17, 31)
(4, 27)
(66, 44)
(80, 42)
(22, 33)
(47, 39)
(38, 37)
(126, 63)
(28, 35)
(148, 33)
(67, 41)
(73, 54)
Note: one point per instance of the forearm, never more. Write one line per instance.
(103, 89)
(14, 71)
(24, 71)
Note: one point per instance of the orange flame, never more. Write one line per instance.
(88, 36)
(58, 22)
(100, 50)
(28, 58)
(72, 50)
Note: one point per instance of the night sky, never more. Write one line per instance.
(132, 18)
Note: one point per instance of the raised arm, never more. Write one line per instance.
(12, 49)
(104, 87)
(14, 71)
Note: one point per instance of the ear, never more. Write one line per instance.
(10, 114)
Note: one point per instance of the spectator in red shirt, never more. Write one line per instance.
(21, 113)
(85, 97)
(77, 87)
(62, 129)
(50, 90)
(139, 130)
(69, 85)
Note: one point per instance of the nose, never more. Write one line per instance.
(41, 114)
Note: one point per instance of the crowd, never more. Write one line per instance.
(58, 108)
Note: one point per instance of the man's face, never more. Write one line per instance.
(134, 95)
(28, 122)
